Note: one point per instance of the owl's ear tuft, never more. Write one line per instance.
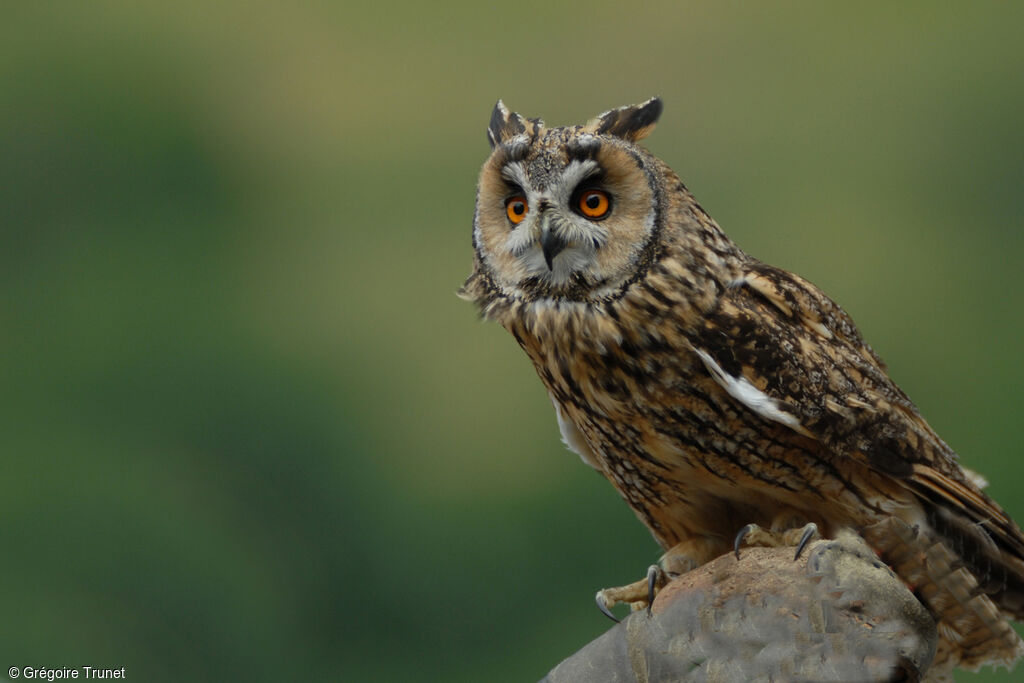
(507, 124)
(631, 123)
(504, 125)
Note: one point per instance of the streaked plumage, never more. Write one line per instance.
(714, 390)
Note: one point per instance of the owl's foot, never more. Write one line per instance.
(754, 535)
(639, 594)
(694, 552)
(679, 559)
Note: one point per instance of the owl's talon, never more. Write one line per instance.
(637, 594)
(603, 606)
(810, 531)
(744, 532)
(655, 579)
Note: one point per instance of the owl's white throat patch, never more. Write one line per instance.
(568, 261)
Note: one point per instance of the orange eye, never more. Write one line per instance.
(516, 209)
(594, 204)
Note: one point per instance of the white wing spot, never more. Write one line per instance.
(746, 393)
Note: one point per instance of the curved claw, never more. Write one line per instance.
(739, 538)
(599, 599)
(654, 576)
(810, 531)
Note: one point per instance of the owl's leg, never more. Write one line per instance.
(679, 559)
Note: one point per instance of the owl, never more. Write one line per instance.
(722, 397)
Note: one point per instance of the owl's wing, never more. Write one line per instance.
(787, 352)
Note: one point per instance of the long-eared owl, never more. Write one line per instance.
(714, 390)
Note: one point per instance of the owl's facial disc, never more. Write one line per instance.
(565, 217)
(559, 231)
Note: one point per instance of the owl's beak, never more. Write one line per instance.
(551, 244)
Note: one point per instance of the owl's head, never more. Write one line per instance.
(566, 214)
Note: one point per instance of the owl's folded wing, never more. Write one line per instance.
(787, 352)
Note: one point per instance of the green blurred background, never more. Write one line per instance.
(248, 430)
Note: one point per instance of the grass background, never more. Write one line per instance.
(248, 432)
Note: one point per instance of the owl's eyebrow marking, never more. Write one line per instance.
(516, 148)
(512, 150)
(578, 171)
(513, 173)
(583, 148)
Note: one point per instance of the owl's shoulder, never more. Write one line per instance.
(800, 303)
